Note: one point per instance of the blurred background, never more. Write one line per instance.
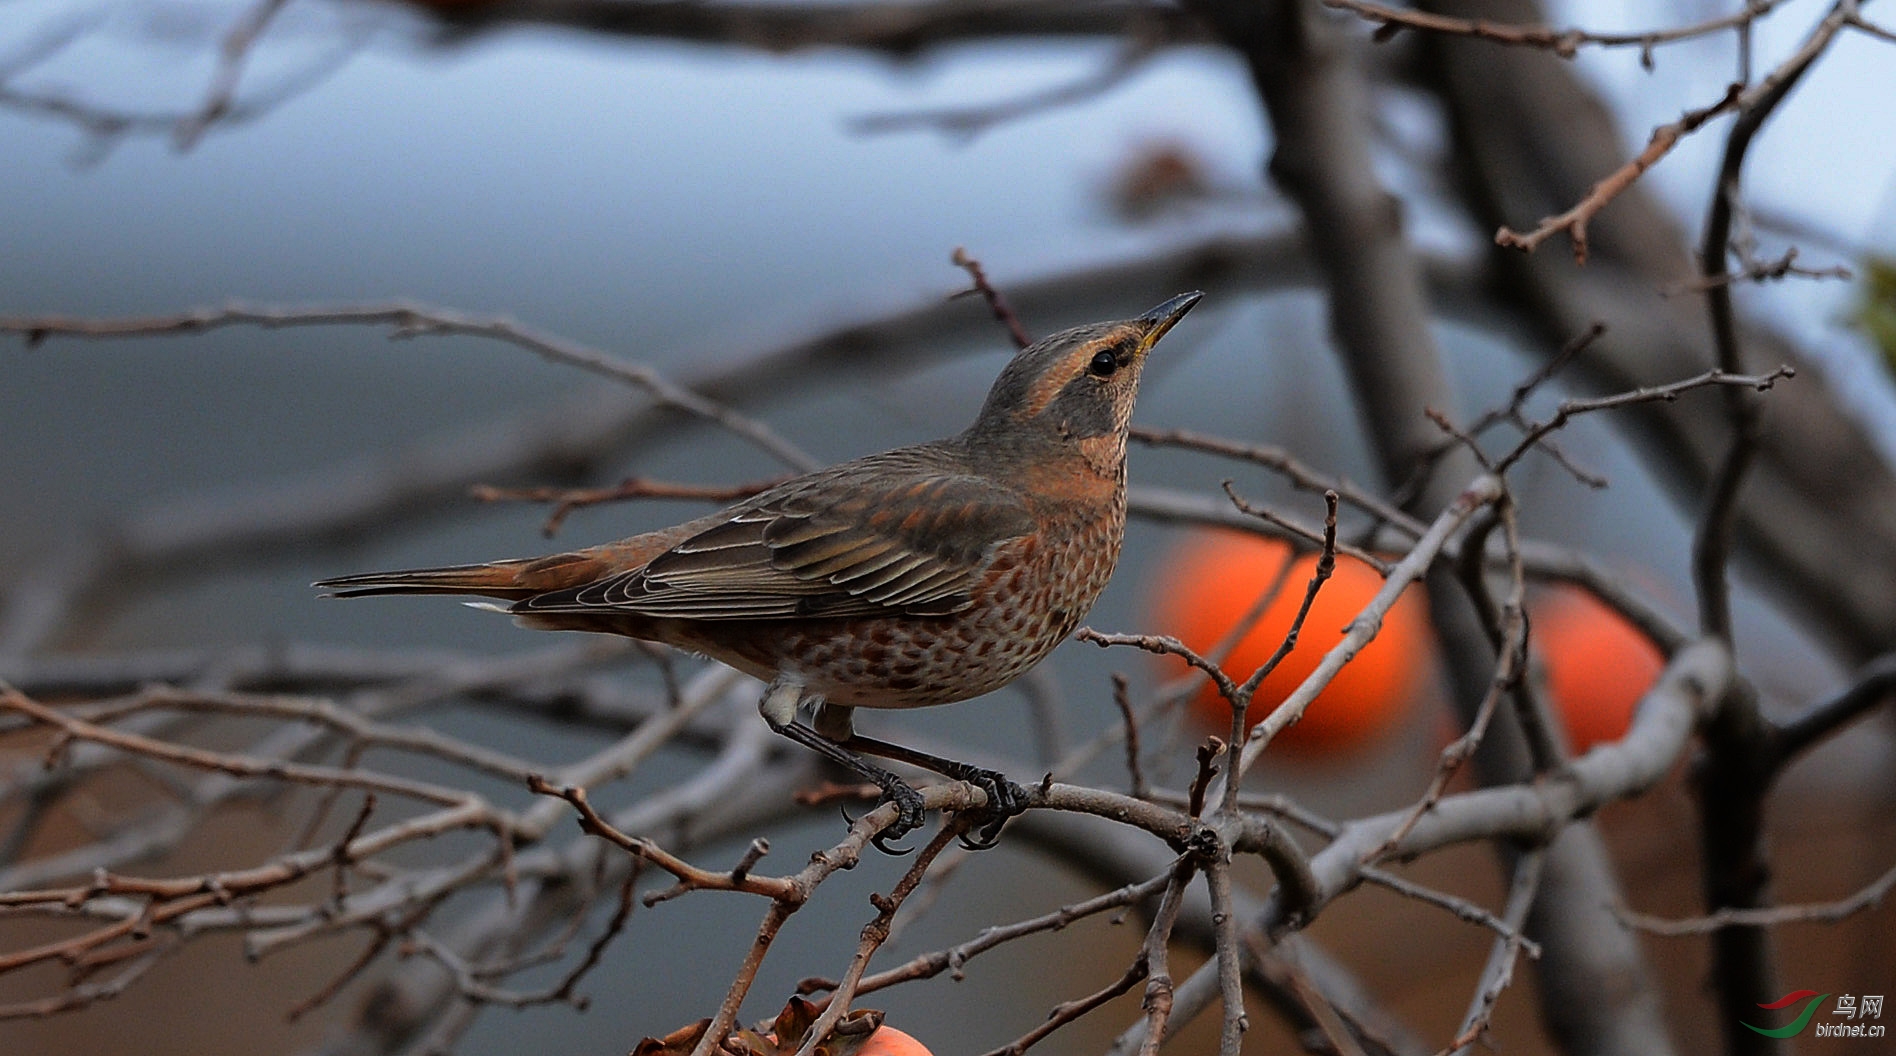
(701, 204)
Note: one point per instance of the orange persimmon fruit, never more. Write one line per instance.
(1212, 580)
(860, 1032)
(1597, 665)
(888, 1041)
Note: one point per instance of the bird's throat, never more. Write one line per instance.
(1105, 456)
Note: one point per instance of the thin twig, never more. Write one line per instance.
(1068, 1011)
(1309, 537)
(1545, 748)
(1761, 271)
(1868, 897)
(1163, 645)
(1460, 907)
(1230, 955)
(1003, 312)
(968, 122)
(953, 959)
(1695, 679)
(106, 125)
(1758, 99)
(1499, 971)
(1157, 1002)
(1574, 220)
(1567, 410)
(690, 877)
(1130, 722)
(1320, 574)
(243, 766)
(876, 932)
(1287, 976)
(567, 500)
(230, 66)
(1565, 43)
(406, 319)
(1874, 686)
(1283, 463)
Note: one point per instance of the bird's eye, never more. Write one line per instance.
(1103, 365)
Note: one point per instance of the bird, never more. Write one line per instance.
(919, 576)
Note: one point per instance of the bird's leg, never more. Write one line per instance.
(833, 720)
(779, 708)
(1005, 798)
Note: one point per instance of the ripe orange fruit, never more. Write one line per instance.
(1212, 580)
(888, 1041)
(1597, 665)
(860, 1033)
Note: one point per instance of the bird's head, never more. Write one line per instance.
(1077, 385)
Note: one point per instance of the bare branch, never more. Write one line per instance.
(1738, 98)
(1229, 957)
(566, 500)
(1282, 462)
(1321, 539)
(1565, 43)
(1574, 221)
(1003, 312)
(1164, 645)
(1460, 907)
(780, 28)
(1567, 410)
(230, 66)
(1875, 684)
(1869, 897)
(1158, 992)
(876, 932)
(1499, 971)
(416, 320)
(1736, 773)
(1695, 680)
(1130, 723)
(970, 121)
(241, 766)
(1068, 1011)
(953, 959)
(107, 125)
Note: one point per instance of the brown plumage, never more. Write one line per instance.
(923, 575)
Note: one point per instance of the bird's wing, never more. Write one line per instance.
(866, 539)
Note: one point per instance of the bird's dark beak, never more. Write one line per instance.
(1161, 319)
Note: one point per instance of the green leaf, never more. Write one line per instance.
(1875, 313)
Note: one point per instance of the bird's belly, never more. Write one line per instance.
(915, 663)
(893, 662)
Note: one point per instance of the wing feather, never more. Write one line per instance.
(877, 572)
(894, 533)
(837, 557)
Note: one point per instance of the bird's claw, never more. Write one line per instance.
(909, 814)
(1005, 799)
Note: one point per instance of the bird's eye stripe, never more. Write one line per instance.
(1051, 384)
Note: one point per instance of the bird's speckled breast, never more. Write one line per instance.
(1030, 599)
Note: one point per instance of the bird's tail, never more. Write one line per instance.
(496, 579)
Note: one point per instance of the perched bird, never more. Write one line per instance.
(923, 575)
